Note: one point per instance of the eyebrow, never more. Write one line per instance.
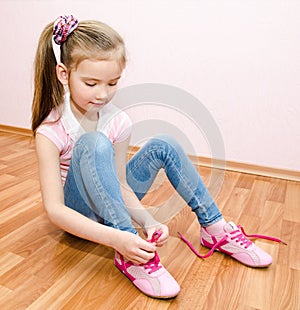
(95, 79)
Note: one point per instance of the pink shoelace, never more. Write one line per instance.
(238, 235)
(154, 263)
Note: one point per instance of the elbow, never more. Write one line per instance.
(52, 214)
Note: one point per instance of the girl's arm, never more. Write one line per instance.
(131, 246)
(134, 206)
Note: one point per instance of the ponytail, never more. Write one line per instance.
(48, 91)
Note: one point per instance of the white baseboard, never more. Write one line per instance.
(286, 174)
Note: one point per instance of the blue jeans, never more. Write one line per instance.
(93, 189)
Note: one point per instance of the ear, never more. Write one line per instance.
(62, 73)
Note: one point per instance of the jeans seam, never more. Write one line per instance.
(182, 177)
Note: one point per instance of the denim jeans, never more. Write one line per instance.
(93, 189)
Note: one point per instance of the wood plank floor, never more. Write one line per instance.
(41, 267)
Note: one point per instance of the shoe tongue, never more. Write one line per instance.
(230, 227)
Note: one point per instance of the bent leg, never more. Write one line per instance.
(164, 152)
(92, 186)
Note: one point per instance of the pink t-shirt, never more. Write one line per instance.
(64, 133)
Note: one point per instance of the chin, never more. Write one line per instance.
(96, 108)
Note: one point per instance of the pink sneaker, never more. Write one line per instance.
(235, 243)
(151, 278)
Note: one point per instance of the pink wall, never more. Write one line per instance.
(239, 58)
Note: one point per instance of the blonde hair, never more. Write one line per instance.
(90, 40)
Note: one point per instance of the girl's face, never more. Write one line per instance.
(93, 84)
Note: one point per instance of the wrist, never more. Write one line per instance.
(113, 237)
(150, 222)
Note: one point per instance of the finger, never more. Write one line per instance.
(161, 243)
(163, 238)
(142, 257)
(149, 233)
(147, 246)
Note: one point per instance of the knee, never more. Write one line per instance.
(95, 142)
(166, 148)
(167, 140)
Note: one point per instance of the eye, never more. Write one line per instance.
(90, 84)
(113, 84)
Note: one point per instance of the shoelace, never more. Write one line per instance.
(240, 236)
(154, 263)
(211, 251)
(261, 236)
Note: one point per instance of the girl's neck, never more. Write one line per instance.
(88, 120)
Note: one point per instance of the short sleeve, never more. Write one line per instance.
(53, 130)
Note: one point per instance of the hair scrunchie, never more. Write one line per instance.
(62, 27)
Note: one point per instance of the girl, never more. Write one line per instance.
(81, 143)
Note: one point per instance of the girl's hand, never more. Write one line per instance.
(134, 248)
(164, 236)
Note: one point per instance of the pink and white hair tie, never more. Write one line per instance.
(62, 28)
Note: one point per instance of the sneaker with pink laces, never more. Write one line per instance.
(150, 278)
(235, 243)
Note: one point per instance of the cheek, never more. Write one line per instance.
(112, 91)
(110, 95)
(80, 92)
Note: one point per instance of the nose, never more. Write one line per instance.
(101, 93)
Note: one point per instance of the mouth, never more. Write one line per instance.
(99, 104)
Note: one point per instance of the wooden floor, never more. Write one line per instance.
(41, 267)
